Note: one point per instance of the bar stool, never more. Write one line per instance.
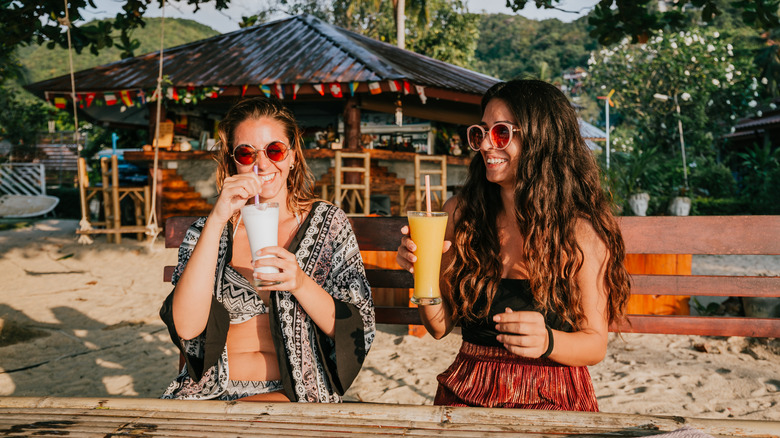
(355, 194)
(111, 195)
(438, 191)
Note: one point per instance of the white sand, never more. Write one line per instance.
(99, 303)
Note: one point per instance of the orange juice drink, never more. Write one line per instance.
(427, 232)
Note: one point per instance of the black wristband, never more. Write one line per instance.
(550, 342)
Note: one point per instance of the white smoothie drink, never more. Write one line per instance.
(262, 227)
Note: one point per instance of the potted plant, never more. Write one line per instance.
(631, 171)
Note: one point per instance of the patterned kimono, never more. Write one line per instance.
(314, 367)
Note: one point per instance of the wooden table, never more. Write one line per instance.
(86, 417)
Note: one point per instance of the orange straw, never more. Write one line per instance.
(428, 194)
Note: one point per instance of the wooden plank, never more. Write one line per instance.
(701, 234)
(153, 417)
(705, 285)
(398, 315)
(378, 233)
(390, 278)
(175, 228)
(700, 325)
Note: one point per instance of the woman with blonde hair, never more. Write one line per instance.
(303, 339)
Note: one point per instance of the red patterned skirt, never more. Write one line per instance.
(494, 377)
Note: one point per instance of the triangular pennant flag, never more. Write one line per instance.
(296, 87)
(407, 87)
(80, 100)
(60, 102)
(335, 90)
(125, 96)
(89, 98)
(353, 87)
(374, 87)
(110, 98)
(243, 90)
(421, 92)
(394, 85)
(266, 90)
(141, 97)
(320, 89)
(279, 91)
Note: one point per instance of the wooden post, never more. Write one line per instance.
(152, 106)
(115, 199)
(352, 124)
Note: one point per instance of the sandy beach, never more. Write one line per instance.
(82, 321)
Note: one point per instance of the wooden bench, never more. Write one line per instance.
(732, 235)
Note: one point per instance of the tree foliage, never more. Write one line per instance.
(511, 46)
(613, 20)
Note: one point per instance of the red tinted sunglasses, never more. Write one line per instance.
(246, 154)
(500, 135)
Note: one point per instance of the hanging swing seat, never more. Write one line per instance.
(25, 206)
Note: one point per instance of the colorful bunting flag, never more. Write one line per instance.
(353, 87)
(394, 85)
(296, 87)
(279, 91)
(335, 90)
(125, 96)
(60, 102)
(421, 92)
(266, 90)
(110, 98)
(407, 87)
(243, 90)
(319, 88)
(374, 88)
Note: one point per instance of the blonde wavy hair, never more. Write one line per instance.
(300, 182)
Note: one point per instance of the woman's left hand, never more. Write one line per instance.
(290, 275)
(523, 333)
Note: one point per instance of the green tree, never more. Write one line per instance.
(714, 81)
(641, 19)
(441, 29)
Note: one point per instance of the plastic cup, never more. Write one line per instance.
(427, 232)
(262, 228)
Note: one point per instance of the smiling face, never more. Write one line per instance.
(500, 165)
(260, 133)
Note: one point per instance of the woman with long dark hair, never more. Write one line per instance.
(533, 264)
(303, 339)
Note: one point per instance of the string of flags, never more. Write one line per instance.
(185, 95)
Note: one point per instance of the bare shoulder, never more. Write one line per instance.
(451, 205)
(589, 240)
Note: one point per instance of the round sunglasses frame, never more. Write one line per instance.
(256, 151)
(512, 129)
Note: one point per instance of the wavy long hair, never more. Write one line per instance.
(300, 182)
(557, 184)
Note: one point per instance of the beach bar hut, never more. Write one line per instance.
(348, 91)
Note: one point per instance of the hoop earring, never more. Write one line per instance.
(292, 166)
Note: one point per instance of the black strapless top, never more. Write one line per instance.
(512, 293)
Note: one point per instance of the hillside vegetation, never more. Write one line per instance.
(44, 63)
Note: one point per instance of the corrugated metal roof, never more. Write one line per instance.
(590, 132)
(300, 49)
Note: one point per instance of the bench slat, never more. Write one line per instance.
(701, 234)
(703, 326)
(705, 285)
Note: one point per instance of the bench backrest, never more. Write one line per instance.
(737, 235)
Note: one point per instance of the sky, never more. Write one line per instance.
(227, 21)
